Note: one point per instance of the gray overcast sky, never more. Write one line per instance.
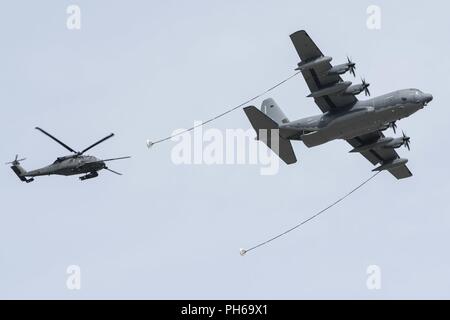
(141, 69)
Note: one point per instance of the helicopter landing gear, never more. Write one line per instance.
(89, 176)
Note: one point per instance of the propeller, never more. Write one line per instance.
(365, 86)
(78, 153)
(406, 141)
(16, 161)
(351, 66)
(393, 125)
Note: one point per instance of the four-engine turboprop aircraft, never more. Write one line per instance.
(74, 164)
(361, 123)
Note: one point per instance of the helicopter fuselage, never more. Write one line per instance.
(76, 163)
(69, 165)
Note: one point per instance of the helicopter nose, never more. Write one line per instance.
(428, 98)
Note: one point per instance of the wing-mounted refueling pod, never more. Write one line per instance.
(335, 89)
(391, 164)
(305, 65)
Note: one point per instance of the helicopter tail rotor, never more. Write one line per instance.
(16, 161)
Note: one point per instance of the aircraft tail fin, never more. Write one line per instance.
(267, 131)
(273, 111)
(19, 170)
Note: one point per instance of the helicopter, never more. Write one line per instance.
(74, 164)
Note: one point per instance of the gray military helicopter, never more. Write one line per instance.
(74, 164)
(360, 123)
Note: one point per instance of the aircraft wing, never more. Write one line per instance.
(316, 77)
(380, 155)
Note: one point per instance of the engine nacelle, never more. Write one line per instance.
(339, 69)
(355, 89)
(380, 143)
(394, 143)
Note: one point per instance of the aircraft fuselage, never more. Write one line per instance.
(361, 118)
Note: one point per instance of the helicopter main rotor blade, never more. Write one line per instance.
(113, 159)
(118, 173)
(97, 143)
(58, 141)
(105, 160)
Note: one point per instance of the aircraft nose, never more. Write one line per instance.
(428, 98)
